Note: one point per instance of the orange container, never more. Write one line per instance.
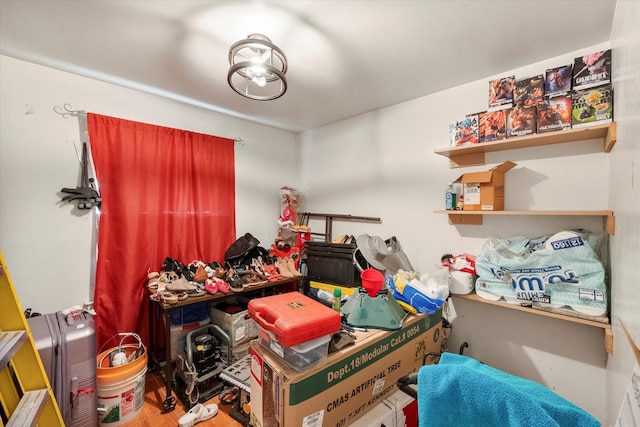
(294, 318)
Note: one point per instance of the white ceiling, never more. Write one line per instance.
(345, 57)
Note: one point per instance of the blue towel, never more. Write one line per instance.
(460, 391)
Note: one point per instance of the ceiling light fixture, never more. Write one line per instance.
(257, 68)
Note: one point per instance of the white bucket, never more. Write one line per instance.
(121, 388)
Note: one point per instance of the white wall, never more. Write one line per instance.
(46, 243)
(382, 164)
(624, 195)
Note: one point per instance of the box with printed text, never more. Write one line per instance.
(348, 384)
(592, 70)
(554, 113)
(592, 106)
(484, 191)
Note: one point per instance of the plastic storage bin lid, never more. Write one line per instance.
(294, 318)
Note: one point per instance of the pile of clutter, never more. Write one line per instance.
(246, 264)
(424, 293)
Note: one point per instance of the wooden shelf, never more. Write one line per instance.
(608, 335)
(475, 217)
(474, 155)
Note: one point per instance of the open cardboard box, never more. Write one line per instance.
(484, 191)
(347, 384)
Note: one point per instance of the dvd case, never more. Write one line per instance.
(592, 70)
(521, 121)
(554, 113)
(528, 92)
(466, 131)
(592, 106)
(501, 93)
(558, 80)
(493, 125)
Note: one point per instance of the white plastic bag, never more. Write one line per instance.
(559, 271)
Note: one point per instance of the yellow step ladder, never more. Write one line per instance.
(26, 397)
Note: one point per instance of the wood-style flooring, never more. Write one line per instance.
(151, 414)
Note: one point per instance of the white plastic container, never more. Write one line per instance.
(240, 327)
(302, 356)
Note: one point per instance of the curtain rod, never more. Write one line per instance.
(67, 111)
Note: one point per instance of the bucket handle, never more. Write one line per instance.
(124, 336)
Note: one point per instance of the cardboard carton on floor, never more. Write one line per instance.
(484, 191)
(347, 385)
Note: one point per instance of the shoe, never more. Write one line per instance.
(153, 285)
(272, 273)
(291, 265)
(283, 268)
(179, 285)
(173, 265)
(197, 414)
(219, 272)
(211, 286)
(198, 291)
(165, 297)
(222, 285)
(253, 279)
(235, 282)
(200, 275)
(168, 276)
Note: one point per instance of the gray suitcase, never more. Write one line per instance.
(67, 347)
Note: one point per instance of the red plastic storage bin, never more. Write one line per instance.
(294, 318)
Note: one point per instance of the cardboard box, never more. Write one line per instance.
(348, 384)
(484, 191)
(399, 409)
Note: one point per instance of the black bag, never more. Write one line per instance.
(240, 247)
(246, 259)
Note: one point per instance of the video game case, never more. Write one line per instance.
(493, 125)
(592, 70)
(452, 134)
(592, 106)
(554, 113)
(528, 92)
(466, 131)
(521, 121)
(558, 80)
(501, 93)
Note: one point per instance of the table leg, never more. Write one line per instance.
(169, 403)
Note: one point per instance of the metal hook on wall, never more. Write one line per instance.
(67, 111)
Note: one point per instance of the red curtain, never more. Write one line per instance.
(165, 193)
